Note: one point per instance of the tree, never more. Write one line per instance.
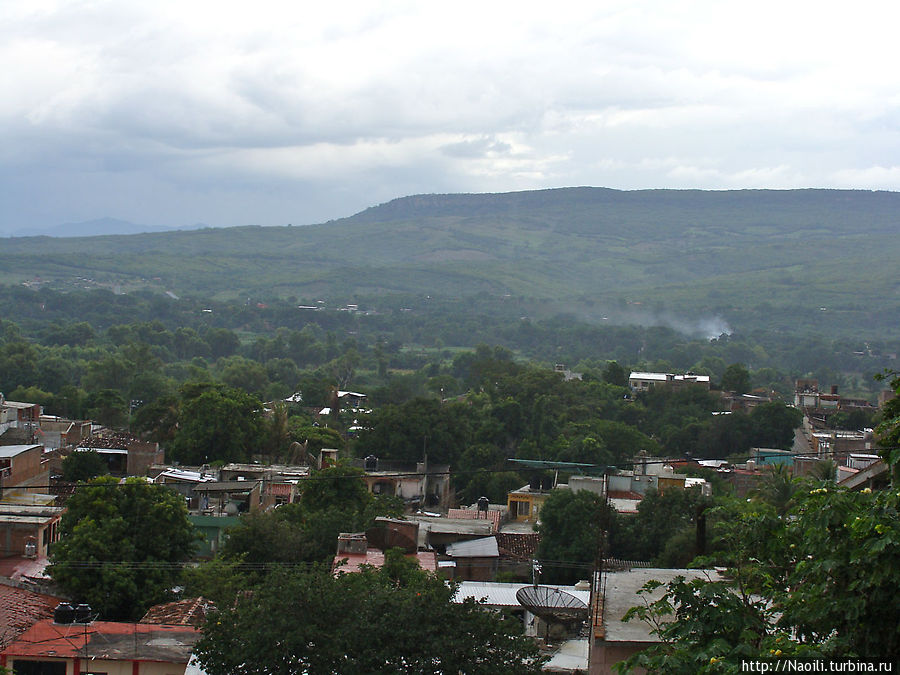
(108, 407)
(333, 500)
(82, 465)
(393, 619)
(736, 378)
(121, 546)
(216, 422)
(573, 527)
(615, 374)
(777, 488)
(821, 582)
(340, 486)
(661, 516)
(774, 424)
(889, 429)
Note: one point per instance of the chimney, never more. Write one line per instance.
(834, 389)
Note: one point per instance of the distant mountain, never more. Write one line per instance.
(821, 260)
(96, 228)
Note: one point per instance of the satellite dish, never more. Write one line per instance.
(552, 604)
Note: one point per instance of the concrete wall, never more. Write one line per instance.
(25, 467)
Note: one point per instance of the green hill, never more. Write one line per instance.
(755, 256)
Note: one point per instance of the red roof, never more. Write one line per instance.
(280, 489)
(20, 609)
(375, 557)
(625, 494)
(20, 568)
(108, 640)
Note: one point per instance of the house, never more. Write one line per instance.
(354, 549)
(806, 393)
(743, 402)
(641, 381)
(418, 484)
(229, 498)
(437, 532)
(771, 456)
(612, 639)
(108, 647)
(183, 481)
(351, 399)
(23, 419)
(568, 375)
(56, 432)
(504, 597)
(517, 550)
(213, 531)
(525, 503)
(494, 515)
(125, 455)
(839, 444)
(21, 465)
(568, 651)
(742, 478)
(28, 529)
(876, 476)
(280, 483)
(475, 559)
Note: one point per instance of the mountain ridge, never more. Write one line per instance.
(713, 251)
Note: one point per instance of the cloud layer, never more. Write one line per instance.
(169, 113)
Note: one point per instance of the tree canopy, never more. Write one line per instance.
(122, 546)
(394, 619)
(573, 527)
(821, 582)
(82, 465)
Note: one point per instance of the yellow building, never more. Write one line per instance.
(525, 503)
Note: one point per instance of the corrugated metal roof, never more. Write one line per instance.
(474, 548)
(499, 594)
(9, 451)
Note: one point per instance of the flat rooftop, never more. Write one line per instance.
(621, 594)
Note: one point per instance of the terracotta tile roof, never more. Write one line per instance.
(108, 640)
(280, 489)
(521, 546)
(189, 612)
(20, 609)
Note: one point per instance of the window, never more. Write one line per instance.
(39, 667)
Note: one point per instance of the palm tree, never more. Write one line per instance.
(778, 489)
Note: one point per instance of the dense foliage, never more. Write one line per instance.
(393, 619)
(122, 546)
(333, 500)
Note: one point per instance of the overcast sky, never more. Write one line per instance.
(176, 112)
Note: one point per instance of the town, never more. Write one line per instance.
(566, 555)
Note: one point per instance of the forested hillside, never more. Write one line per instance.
(798, 261)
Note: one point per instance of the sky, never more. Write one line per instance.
(171, 113)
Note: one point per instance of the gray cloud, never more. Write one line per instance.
(174, 112)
